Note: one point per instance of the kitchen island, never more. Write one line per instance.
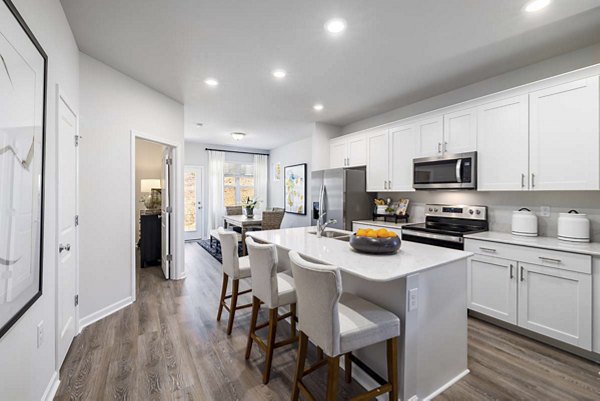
(424, 285)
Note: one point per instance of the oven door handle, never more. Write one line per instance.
(441, 237)
(459, 170)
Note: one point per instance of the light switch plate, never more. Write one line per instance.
(40, 334)
(545, 211)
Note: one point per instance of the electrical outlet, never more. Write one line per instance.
(40, 334)
(545, 211)
(413, 299)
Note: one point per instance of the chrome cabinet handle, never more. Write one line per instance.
(385, 184)
(445, 147)
(62, 248)
(522, 180)
(511, 272)
(389, 185)
(487, 249)
(522, 276)
(532, 180)
(543, 258)
(439, 147)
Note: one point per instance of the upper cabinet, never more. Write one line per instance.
(378, 160)
(460, 131)
(348, 151)
(564, 136)
(402, 141)
(430, 136)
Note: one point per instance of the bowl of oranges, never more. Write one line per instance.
(381, 241)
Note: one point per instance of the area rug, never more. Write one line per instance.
(215, 249)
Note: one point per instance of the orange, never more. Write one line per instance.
(372, 234)
(382, 233)
(361, 232)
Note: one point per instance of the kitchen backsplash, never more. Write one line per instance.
(502, 204)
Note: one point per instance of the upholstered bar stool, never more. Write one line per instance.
(339, 323)
(234, 268)
(274, 290)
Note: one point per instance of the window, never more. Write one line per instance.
(189, 188)
(238, 182)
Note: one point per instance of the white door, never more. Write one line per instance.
(337, 153)
(503, 145)
(377, 161)
(166, 212)
(492, 287)
(565, 145)
(429, 137)
(68, 251)
(357, 150)
(556, 303)
(460, 131)
(402, 148)
(192, 186)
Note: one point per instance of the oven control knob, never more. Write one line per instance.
(435, 210)
(471, 211)
(430, 209)
(478, 212)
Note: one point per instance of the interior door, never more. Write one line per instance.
(193, 221)
(166, 212)
(67, 268)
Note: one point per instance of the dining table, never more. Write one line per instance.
(244, 222)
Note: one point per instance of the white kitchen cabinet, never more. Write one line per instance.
(402, 147)
(492, 287)
(337, 153)
(348, 151)
(564, 137)
(503, 145)
(430, 135)
(556, 303)
(460, 131)
(378, 161)
(357, 150)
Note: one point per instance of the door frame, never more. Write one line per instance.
(177, 265)
(201, 168)
(60, 96)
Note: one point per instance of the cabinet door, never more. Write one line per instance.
(556, 303)
(377, 161)
(337, 153)
(460, 131)
(357, 150)
(565, 140)
(402, 153)
(492, 287)
(430, 137)
(503, 145)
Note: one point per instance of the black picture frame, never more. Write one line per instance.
(285, 187)
(27, 31)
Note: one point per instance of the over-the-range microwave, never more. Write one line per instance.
(450, 171)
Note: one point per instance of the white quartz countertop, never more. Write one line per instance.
(591, 248)
(410, 259)
(381, 223)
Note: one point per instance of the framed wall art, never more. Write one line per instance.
(295, 188)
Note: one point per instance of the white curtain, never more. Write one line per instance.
(216, 207)
(261, 171)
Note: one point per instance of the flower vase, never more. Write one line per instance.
(250, 212)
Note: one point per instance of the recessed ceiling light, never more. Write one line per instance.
(335, 25)
(536, 5)
(238, 136)
(318, 107)
(279, 74)
(211, 82)
(199, 124)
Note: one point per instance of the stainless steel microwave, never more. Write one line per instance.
(450, 171)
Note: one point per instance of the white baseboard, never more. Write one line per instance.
(446, 386)
(52, 387)
(102, 313)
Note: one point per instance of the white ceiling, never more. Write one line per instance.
(394, 52)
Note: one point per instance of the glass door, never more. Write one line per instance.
(193, 208)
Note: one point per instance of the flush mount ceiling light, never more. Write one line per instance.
(536, 5)
(238, 136)
(335, 25)
(279, 74)
(318, 107)
(211, 82)
(199, 124)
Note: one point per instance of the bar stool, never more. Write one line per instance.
(274, 290)
(339, 323)
(235, 268)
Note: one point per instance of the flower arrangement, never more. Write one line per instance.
(249, 204)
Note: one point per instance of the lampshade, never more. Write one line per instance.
(148, 184)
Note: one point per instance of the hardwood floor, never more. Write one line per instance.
(169, 346)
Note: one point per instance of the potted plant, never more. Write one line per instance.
(249, 204)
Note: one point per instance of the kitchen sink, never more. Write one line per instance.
(333, 234)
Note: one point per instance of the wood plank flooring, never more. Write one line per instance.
(169, 346)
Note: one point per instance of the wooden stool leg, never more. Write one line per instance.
(319, 354)
(270, 344)
(253, 319)
(234, 295)
(392, 364)
(293, 319)
(348, 367)
(223, 293)
(302, 351)
(333, 364)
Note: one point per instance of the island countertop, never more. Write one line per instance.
(410, 259)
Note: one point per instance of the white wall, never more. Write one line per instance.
(290, 154)
(148, 165)
(321, 136)
(26, 371)
(112, 105)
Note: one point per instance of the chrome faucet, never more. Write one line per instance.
(320, 225)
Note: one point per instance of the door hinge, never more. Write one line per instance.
(169, 258)
(169, 209)
(76, 220)
(168, 162)
(77, 300)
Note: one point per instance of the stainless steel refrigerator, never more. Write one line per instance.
(346, 198)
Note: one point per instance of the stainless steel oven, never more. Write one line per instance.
(451, 171)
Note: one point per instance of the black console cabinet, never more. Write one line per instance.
(150, 240)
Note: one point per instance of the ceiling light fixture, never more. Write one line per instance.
(335, 25)
(318, 107)
(199, 124)
(211, 82)
(238, 136)
(279, 74)
(536, 5)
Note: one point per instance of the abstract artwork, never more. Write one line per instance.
(23, 74)
(295, 188)
(277, 171)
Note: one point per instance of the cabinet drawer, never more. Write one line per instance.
(357, 226)
(544, 257)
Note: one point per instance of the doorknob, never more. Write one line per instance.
(62, 247)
